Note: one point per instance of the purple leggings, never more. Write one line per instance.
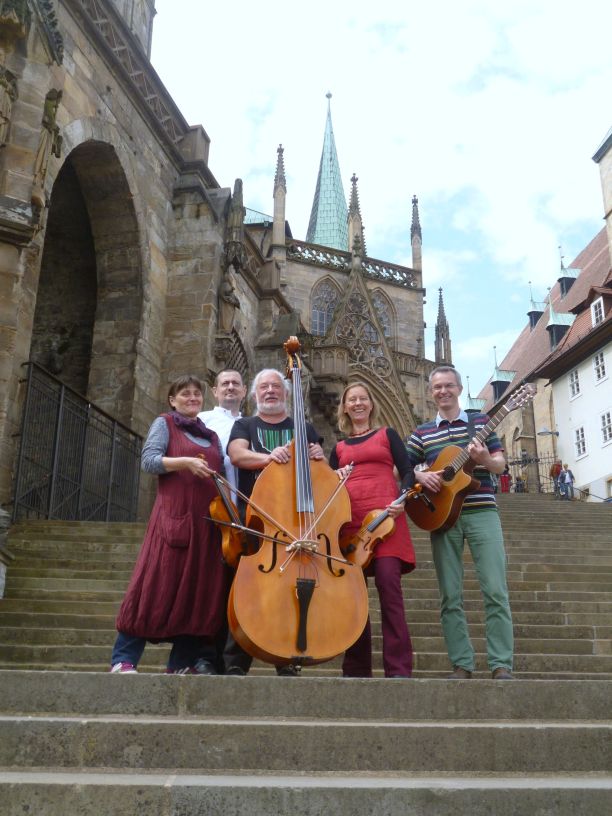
(397, 646)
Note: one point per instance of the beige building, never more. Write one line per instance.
(124, 263)
(564, 351)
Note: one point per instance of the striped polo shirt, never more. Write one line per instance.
(428, 440)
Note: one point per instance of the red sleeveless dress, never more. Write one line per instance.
(372, 486)
(179, 583)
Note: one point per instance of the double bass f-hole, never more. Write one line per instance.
(330, 560)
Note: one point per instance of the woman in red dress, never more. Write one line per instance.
(178, 589)
(375, 452)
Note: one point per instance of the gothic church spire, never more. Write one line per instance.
(416, 237)
(355, 223)
(328, 218)
(443, 353)
(280, 193)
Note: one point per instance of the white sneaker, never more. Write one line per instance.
(123, 668)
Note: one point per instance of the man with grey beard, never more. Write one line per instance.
(255, 442)
(258, 440)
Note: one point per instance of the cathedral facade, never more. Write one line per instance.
(124, 263)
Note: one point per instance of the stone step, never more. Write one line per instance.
(12, 613)
(108, 602)
(91, 655)
(322, 671)
(519, 590)
(13, 624)
(431, 641)
(85, 694)
(124, 794)
(420, 580)
(235, 744)
(100, 567)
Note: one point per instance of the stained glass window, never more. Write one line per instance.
(324, 301)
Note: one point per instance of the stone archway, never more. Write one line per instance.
(65, 311)
(89, 303)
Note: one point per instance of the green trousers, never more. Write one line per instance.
(482, 531)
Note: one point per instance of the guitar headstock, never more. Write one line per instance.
(521, 396)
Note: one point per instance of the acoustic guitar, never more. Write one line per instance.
(456, 470)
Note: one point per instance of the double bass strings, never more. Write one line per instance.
(341, 484)
(305, 501)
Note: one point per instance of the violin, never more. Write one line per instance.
(297, 599)
(376, 526)
(223, 511)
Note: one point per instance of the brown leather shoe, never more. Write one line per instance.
(459, 673)
(502, 674)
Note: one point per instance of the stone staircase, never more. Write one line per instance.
(74, 736)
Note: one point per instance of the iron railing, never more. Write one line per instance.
(531, 474)
(75, 461)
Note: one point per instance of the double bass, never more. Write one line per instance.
(297, 599)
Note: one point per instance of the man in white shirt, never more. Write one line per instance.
(229, 391)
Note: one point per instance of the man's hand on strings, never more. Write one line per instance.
(430, 479)
(282, 454)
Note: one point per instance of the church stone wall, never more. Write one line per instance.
(154, 311)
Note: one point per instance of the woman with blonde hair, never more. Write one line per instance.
(377, 453)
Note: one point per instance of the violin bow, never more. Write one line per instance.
(279, 527)
(341, 484)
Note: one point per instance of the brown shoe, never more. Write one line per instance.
(459, 673)
(502, 674)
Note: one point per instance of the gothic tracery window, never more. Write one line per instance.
(383, 312)
(325, 298)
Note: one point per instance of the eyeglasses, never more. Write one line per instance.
(444, 387)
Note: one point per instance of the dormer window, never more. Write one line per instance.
(597, 311)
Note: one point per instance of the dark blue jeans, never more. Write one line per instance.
(186, 650)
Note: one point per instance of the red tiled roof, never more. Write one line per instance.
(532, 348)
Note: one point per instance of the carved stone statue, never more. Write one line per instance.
(228, 301)
(50, 142)
(8, 94)
(235, 253)
(235, 217)
(15, 17)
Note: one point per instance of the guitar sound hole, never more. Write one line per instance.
(448, 474)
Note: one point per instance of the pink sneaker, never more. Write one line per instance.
(123, 668)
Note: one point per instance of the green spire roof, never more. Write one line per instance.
(328, 219)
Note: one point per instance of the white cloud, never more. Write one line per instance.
(489, 112)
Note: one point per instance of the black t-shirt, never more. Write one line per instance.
(263, 437)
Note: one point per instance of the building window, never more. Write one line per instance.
(597, 311)
(579, 442)
(383, 312)
(574, 383)
(599, 364)
(324, 302)
(606, 427)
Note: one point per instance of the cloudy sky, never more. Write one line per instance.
(488, 112)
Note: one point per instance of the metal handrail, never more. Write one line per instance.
(75, 461)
